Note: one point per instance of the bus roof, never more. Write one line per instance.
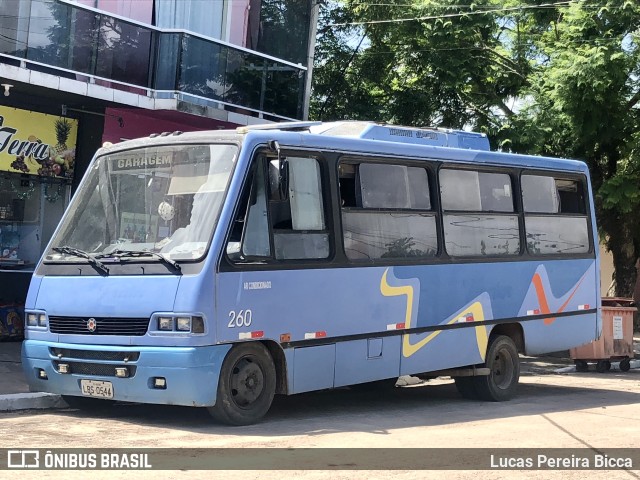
(369, 138)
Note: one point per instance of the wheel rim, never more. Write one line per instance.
(502, 370)
(246, 382)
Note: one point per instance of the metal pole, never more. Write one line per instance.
(313, 29)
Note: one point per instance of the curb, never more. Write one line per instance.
(30, 401)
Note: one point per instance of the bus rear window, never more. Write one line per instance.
(555, 215)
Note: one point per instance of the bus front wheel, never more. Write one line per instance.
(246, 385)
(504, 371)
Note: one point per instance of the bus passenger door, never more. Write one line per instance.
(272, 288)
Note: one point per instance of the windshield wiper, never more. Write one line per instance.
(81, 253)
(118, 253)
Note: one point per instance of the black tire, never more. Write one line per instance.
(467, 387)
(504, 365)
(87, 403)
(246, 385)
(625, 365)
(581, 366)
(601, 366)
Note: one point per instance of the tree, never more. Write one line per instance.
(585, 90)
(559, 79)
(447, 65)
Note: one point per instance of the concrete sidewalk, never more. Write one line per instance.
(14, 391)
(15, 394)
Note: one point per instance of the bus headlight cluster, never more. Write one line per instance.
(36, 319)
(180, 323)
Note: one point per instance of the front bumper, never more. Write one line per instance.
(191, 373)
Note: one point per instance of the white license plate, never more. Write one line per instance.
(95, 388)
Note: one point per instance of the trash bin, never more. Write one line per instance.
(615, 342)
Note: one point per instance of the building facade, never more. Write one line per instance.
(75, 74)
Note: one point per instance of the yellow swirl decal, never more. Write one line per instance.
(472, 313)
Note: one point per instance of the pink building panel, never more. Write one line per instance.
(139, 10)
(238, 21)
(142, 123)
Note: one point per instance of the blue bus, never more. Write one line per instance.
(217, 269)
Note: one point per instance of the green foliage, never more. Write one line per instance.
(560, 80)
(451, 71)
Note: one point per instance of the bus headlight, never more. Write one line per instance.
(165, 323)
(183, 324)
(36, 319)
(178, 323)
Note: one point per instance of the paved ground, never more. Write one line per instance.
(591, 411)
(15, 395)
(573, 410)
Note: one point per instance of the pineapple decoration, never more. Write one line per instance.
(62, 158)
(63, 128)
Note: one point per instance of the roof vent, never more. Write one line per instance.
(440, 137)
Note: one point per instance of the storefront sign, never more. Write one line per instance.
(36, 143)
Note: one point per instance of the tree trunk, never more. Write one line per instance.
(620, 243)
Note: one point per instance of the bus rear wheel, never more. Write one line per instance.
(246, 385)
(504, 371)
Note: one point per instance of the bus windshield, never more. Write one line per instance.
(161, 199)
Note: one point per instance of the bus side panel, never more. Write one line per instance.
(449, 304)
(446, 349)
(313, 368)
(562, 334)
(543, 296)
(360, 361)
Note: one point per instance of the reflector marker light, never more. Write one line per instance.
(249, 335)
(395, 326)
(311, 335)
(467, 317)
(583, 307)
(285, 337)
(533, 312)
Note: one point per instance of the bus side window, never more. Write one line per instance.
(479, 213)
(299, 230)
(386, 211)
(556, 220)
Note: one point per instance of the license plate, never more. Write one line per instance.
(95, 388)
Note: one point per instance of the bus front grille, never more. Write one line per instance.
(98, 326)
(104, 355)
